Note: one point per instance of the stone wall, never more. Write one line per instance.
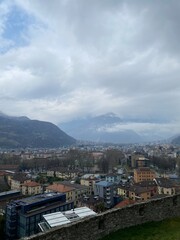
(100, 225)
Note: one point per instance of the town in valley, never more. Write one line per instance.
(92, 177)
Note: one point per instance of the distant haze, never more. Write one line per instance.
(110, 128)
(63, 60)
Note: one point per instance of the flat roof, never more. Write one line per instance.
(9, 192)
(56, 219)
(61, 218)
(104, 184)
(38, 198)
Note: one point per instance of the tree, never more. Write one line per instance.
(99, 207)
(164, 163)
(103, 165)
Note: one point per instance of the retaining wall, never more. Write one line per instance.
(96, 227)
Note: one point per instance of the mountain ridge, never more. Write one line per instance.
(176, 139)
(17, 132)
(100, 129)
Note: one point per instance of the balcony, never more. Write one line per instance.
(108, 198)
(13, 220)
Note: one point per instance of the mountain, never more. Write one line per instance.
(100, 129)
(16, 132)
(176, 140)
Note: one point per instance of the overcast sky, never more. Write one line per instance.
(64, 59)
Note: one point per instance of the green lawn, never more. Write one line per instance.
(165, 230)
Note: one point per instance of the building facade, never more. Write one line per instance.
(89, 182)
(105, 190)
(138, 160)
(18, 180)
(143, 174)
(139, 193)
(31, 188)
(114, 178)
(80, 190)
(57, 187)
(23, 216)
(165, 186)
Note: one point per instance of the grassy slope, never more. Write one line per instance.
(165, 230)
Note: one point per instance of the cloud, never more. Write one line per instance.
(148, 130)
(78, 58)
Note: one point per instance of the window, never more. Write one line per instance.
(38, 217)
(32, 219)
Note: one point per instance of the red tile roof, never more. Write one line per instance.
(59, 188)
(125, 203)
(31, 184)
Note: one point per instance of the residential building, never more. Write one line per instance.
(23, 216)
(89, 182)
(165, 186)
(151, 185)
(9, 176)
(105, 190)
(79, 189)
(142, 162)
(18, 180)
(123, 190)
(31, 188)
(60, 188)
(138, 160)
(66, 174)
(50, 173)
(112, 177)
(139, 193)
(143, 174)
